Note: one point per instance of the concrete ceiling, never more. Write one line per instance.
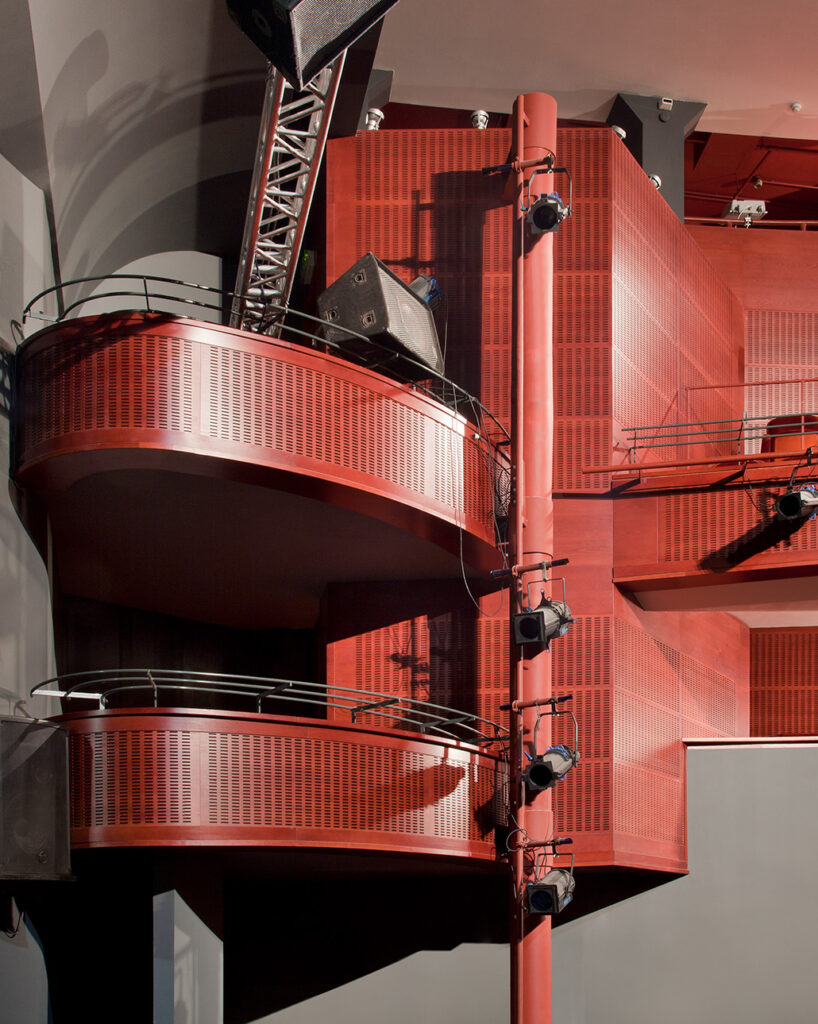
(749, 63)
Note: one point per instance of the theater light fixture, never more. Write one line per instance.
(552, 893)
(797, 504)
(545, 770)
(546, 214)
(540, 625)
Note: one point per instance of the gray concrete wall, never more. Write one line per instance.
(733, 941)
(26, 646)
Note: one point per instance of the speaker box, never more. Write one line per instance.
(370, 300)
(34, 823)
(300, 37)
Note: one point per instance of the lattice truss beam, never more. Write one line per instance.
(291, 143)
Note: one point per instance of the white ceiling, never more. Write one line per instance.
(748, 62)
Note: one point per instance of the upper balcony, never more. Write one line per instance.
(188, 468)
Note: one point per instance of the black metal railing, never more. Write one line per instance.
(284, 323)
(263, 695)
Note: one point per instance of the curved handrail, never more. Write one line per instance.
(423, 716)
(439, 387)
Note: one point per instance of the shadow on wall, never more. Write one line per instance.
(184, 149)
(769, 533)
(285, 943)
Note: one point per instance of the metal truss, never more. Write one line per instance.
(291, 144)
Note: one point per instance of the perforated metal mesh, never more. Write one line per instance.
(177, 393)
(267, 783)
(699, 524)
(143, 382)
(784, 682)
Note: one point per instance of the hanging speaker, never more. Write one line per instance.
(370, 300)
(34, 828)
(300, 37)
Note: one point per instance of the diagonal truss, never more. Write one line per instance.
(291, 141)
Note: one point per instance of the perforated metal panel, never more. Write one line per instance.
(146, 380)
(230, 396)
(131, 778)
(784, 682)
(176, 779)
(781, 345)
(697, 524)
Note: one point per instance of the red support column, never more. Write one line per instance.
(532, 530)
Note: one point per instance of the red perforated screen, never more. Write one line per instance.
(784, 682)
(87, 386)
(182, 778)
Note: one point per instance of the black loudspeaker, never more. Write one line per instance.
(300, 37)
(34, 825)
(370, 300)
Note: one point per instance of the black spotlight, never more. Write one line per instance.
(301, 37)
(797, 504)
(546, 214)
(368, 299)
(552, 893)
(542, 624)
(546, 770)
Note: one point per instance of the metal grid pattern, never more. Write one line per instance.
(176, 779)
(272, 402)
(293, 133)
(784, 682)
(147, 382)
(695, 525)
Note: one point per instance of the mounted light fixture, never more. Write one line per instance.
(545, 770)
(540, 625)
(552, 893)
(744, 211)
(546, 214)
(797, 504)
(374, 117)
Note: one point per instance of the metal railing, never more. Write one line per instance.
(738, 433)
(287, 323)
(264, 694)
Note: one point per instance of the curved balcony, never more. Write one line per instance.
(239, 457)
(171, 776)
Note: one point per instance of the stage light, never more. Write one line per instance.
(545, 770)
(546, 214)
(552, 893)
(797, 504)
(542, 624)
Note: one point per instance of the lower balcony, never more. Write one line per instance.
(426, 781)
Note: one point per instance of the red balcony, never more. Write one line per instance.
(187, 468)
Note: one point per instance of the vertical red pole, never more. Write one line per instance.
(532, 530)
